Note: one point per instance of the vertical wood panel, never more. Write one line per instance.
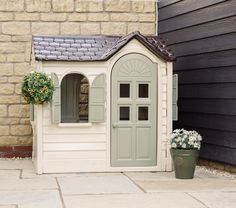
(202, 36)
(184, 6)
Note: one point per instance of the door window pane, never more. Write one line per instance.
(143, 90)
(124, 90)
(142, 113)
(124, 113)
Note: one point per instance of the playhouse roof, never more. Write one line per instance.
(93, 48)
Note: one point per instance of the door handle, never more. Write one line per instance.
(114, 125)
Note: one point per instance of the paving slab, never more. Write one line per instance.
(217, 199)
(150, 176)
(7, 174)
(30, 173)
(8, 164)
(152, 186)
(163, 200)
(31, 199)
(97, 184)
(28, 184)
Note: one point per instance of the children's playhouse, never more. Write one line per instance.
(112, 108)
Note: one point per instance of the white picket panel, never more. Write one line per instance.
(95, 154)
(68, 166)
(101, 128)
(73, 138)
(73, 146)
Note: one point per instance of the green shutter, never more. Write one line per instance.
(175, 97)
(31, 112)
(56, 100)
(97, 99)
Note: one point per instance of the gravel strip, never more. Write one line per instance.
(216, 172)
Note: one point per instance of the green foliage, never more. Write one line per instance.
(37, 88)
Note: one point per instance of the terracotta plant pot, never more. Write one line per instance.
(184, 162)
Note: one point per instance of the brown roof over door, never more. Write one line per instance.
(93, 48)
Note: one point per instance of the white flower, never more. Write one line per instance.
(196, 145)
(173, 145)
(183, 139)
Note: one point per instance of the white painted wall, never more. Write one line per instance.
(86, 147)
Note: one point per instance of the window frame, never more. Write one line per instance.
(77, 124)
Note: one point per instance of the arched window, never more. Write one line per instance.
(74, 99)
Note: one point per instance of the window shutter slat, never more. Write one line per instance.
(97, 99)
(56, 101)
(175, 97)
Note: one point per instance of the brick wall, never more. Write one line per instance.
(20, 19)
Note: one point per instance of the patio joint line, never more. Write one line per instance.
(197, 199)
(60, 193)
(141, 188)
(21, 174)
(98, 194)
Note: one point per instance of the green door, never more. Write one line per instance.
(133, 111)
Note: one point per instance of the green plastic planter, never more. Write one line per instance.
(184, 162)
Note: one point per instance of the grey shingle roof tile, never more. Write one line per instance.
(70, 40)
(93, 48)
(62, 57)
(49, 39)
(66, 45)
(45, 52)
(61, 49)
(66, 53)
(79, 41)
(82, 49)
(71, 49)
(50, 48)
(38, 47)
(79, 54)
(51, 57)
(54, 44)
(59, 40)
(75, 45)
(57, 53)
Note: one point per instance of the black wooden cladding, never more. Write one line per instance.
(208, 75)
(209, 29)
(217, 43)
(202, 35)
(208, 106)
(215, 90)
(167, 2)
(207, 14)
(183, 7)
(219, 153)
(211, 59)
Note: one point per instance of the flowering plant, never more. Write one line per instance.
(37, 88)
(183, 139)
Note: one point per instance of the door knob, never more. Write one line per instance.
(114, 125)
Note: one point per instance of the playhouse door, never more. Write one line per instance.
(133, 112)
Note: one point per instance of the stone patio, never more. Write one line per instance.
(20, 187)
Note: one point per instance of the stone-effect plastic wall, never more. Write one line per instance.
(20, 19)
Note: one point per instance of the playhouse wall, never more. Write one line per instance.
(86, 147)
(73, 148)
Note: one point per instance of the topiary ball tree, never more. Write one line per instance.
(37, 88)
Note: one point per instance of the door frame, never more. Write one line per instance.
(161, 155)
